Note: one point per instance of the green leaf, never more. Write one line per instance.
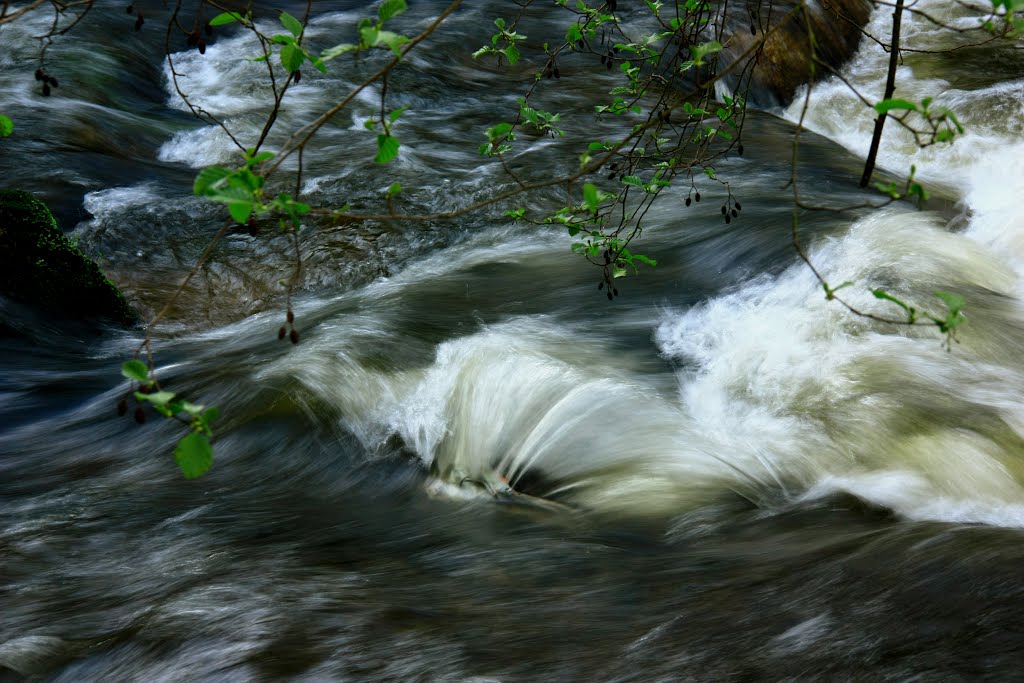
(208, 178)
(336, 51)
(226, 18)
(394, 116)
(888, 105)
(394, 189)
(6, 126)
(590, 197)
(393, 40)
(644, 259)
(292, 24)
(387, 149)
(292, 57)
(194, 455)
(633, 180)
(240, 211)
(136, 370)
(390, 8)
(954, 302)
(573, 34)
(211, 414)
(512, 53)
(159, 398)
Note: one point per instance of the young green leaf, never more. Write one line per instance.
(387, 149)
(194, 455)
(240, 211)
(390, 8)
(226, 18)
(136, 370)
(208, 178)
(888, 105)
(590, 197)
(292, 57)
(6, 126)
(292, 24)
(954, 302)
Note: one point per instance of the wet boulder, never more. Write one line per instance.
(784, 63)
(41, 267)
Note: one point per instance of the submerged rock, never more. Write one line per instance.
(43, 268)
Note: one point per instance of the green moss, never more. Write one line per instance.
(40, 266)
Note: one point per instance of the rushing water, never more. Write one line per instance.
(745, 481)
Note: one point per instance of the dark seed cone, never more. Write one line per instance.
(615, 291)
(740, 150)
(724, 209)
(600, 286)
(46, 89)
(610, 296)
(53, 82)
(202, 46)
(139, 22)
(122, 407)
(298, 76)
(558, 74)
(688, 201)
(737, 205)
(129, 9)
(294, 336)
(290, 316)
(40, 74)
(735, 213)
(728, 219)
(140, 415)
(696, 196)
(282, 332)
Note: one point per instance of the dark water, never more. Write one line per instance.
(746, 483)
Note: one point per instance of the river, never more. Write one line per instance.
(745, 481)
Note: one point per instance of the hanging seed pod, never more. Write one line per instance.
(696, 196)
(40, 74)
(298, 76)
(615, 291)
(688, 200)
(129, 9)
(600, 285)
(753, 30)
(53, 82)
(202, 46)
(735, 213)
(728, 219)
(46, 89)
(737, 205)
(557, 73)
(609, 63)
(724, 209)
(192, 39)
(610, 295)
(122, 407)
(739, 149)
(290, 316)
(603, 58)
(139, 22)
(140, 415)
(281, 333)
(294, 336)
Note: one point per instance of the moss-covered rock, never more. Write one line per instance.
(41, 267)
